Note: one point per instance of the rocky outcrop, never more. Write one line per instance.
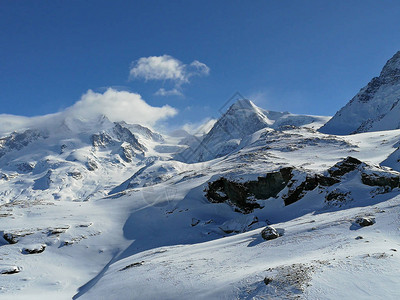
(10, 270)
(310, 183)
(241, 194)
(75, 174)
(10, 238)
(345, 166)
(14, 237)
(381, 179)
(91, 165)
(34, 249)
(123, 134)
(18, 140)
(338, 196)
(102, 140)
(365, 221)
(244, 195)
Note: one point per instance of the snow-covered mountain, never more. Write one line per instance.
(376, 107)
(268, 207)
(72, 158)
(242, 119)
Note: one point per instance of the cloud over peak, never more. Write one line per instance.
(167, 68)
(120, 106)
(115, 105)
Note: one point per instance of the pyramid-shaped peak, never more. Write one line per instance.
(243, 104)
(392, 66)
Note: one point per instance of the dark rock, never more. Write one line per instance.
(359, 237)
(345, 166)
(91, 165)
(195, 221)
(309, 184)
(10, 270)
(10, 238)
(270, 185)
(58, 230)
(85, 225)
(337, 195)
(383, 180)
(326, 181)
(365, 221)
(102, 140)
(16, 141)
(136, 264)
(75, 174)
(25, 167)
(269, 233)
(34, 249)
(223, 190)
(127, 153)
(267, 280)
(123, 134)
(67, 243)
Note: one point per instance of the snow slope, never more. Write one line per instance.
(115, 215)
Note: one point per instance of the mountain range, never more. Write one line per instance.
(265, 205)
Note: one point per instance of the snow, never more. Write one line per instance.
(111, 227)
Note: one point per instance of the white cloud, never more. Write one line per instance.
(10, 123)
(158, 68)
(120, 106)
(115, 105)
(164, 68)
(172, 92)
(202, 69)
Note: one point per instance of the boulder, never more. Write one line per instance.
(365, 221)
(34, 249)
(269, 233)
(10, 238)
(9, 270)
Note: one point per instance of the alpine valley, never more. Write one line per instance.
(265, 205)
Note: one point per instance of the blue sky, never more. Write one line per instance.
(299, 56)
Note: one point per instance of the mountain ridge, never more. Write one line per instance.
(372, 109)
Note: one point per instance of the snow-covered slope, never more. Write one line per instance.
(375, 107)
(93, 209)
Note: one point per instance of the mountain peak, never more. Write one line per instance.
(392, 66)
(242, 104)
(373, 107)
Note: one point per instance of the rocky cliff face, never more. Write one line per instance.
(375, 107)
(291, 185)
